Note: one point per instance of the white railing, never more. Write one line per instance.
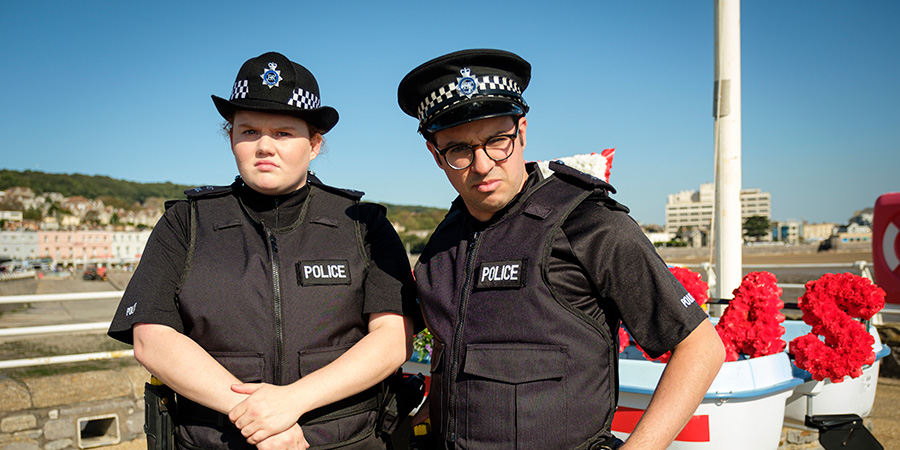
(5, 299)
(82, 357)
(862, 266)
(65, 328)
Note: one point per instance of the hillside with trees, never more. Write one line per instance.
(414, 223)
(91, 186)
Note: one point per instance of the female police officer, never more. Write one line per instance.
(276, 280)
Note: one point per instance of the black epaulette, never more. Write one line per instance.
(575, 176)
(207, 191)
(349, 193)
(170, 203)
(377, 206)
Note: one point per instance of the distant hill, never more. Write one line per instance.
(90, 186)
(122, 193)
(415, 218)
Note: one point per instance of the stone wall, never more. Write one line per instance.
(86, 409)
(45, 413)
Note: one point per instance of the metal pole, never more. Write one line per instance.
(727, 113)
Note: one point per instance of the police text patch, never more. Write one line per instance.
(323, 272)
(500, 274)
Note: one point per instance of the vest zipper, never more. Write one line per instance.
(279, 325)
(457, 336)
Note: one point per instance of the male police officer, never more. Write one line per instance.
(524, 283)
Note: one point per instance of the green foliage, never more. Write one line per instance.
(414, 244)
(90, 186)
(116, 202)
(756, 227)
(415, 218)
(32, 214)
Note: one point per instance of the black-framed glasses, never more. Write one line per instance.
(498, 148)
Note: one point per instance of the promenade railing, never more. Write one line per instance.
(59, 329)
(862, 267)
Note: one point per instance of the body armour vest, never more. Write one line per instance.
(273, 305)
(513, 367)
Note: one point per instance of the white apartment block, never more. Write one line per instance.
(18, 245)
(814, 232)
(12, 216)
(696, 209)
(127, 246)
(75, 247)
(789, 231)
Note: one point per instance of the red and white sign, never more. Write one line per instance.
(696, 430)
(886, 245)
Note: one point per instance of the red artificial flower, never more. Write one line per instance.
(829, 306)
(751, 324)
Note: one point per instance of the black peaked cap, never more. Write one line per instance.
(465, 86)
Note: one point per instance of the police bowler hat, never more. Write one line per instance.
(274, 84)
(465, 86)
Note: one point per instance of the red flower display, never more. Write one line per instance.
(751, 324)
(830, 305)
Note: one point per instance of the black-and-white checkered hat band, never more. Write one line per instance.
(450, 94)
(240, 90)
(303, 99)
(300, 98)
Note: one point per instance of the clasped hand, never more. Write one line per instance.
(268, 412)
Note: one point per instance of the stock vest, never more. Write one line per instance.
(513, 366)
(273, 305)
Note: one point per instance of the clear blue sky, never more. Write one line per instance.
(122, 89)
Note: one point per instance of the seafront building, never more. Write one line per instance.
(789, 231)
(18, 245)
(127, 246)
(76, 248)
(695, 209)
(817, 232)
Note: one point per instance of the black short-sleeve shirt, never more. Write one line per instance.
(389, 285)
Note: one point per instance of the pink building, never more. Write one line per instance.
(77, 247)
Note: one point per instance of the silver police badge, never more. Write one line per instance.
(466, 85)
(271, 77)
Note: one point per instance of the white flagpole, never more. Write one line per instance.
(727, 112)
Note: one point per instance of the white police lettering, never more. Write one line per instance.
(505, 272)
(687, 300)
(322, 271)
(130, 310)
